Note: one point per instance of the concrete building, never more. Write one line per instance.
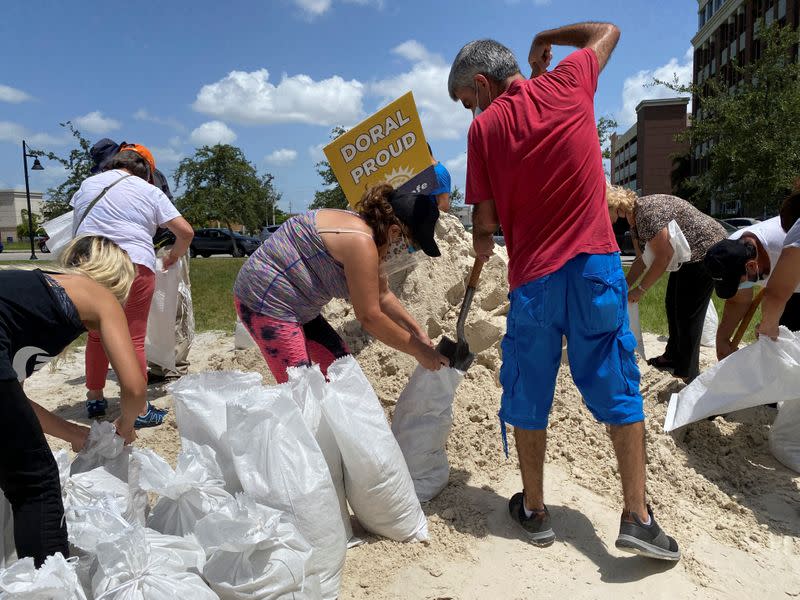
(728, 30)
(642, 157)
(12, 202)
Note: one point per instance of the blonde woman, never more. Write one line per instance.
(41, 313)
(689, 288)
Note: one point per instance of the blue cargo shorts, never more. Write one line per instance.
(586, 301)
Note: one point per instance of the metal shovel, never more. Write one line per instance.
(458, 352)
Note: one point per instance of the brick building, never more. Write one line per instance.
(727, 30)
(642, 157)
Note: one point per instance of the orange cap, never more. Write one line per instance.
(144, 153)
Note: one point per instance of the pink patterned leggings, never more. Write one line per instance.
(285, 344)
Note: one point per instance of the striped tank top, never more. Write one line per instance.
(291, 276)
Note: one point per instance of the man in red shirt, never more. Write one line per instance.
(534, 166)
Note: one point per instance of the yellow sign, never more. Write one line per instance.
(388, 147)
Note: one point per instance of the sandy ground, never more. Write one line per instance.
(714, 485)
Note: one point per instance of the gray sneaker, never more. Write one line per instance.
(537, 526)
(646, 540)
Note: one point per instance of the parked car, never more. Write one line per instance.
(740, 222)
(2, 247)
(729, 229)
(221, 241)
(498, 237)
(267, 231)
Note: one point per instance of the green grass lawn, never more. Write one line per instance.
(212, 292)
(654, 317)
(20, 245)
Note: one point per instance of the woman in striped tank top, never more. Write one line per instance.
(324, 254)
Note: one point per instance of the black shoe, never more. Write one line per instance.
(646, 540)
(537, 526)
(96, 408)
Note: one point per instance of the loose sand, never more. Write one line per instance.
(714, 486)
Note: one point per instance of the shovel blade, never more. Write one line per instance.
(457, 352)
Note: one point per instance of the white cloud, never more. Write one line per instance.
(212, 133)
(95, 122)
(441, 117)
(316, 152)
(314, 8)
(143, 115)
(166, 155)
(457, 167)
(637, 87)
(250, 98)
(281, 158)
(14, 133)
(13, 95)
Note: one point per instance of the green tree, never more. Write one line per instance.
(456, 199)
(749, 131)
(221, 185)
(605, 127)
(77, 163)
(332, 195)
(22, 228)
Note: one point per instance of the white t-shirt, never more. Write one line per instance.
(793, 236)
(128, 214)
(772, 237)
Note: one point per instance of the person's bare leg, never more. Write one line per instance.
(629, 447)
(531, 445)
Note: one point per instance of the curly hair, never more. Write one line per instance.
(620, 198)
(378, 213)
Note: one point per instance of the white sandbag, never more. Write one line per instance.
(710, 325)
(378, 485)
(89, 487)
(421, 425)
(103, 448)
(635, 324)
(761, 373)
(241, 337)
(280, 464)
(8, 550)
(59, 233)
(681, 252)
(201, 414)
(190, 492)
(182, 553)
(255, 552)
(130, 569)
(55, 579)
(159, 343)
(784, 435)
(308, 391)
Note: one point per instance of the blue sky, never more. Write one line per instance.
(274, 76)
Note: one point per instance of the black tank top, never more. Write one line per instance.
(37, 321)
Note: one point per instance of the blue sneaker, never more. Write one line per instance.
(96, 408)
(152, 418)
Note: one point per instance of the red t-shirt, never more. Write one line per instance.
(535, 152)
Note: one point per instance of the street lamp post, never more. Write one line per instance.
(37, 166)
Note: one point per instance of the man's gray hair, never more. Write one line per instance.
(485, 57)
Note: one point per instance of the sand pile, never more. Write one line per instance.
(715, 480)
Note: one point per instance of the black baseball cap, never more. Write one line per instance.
(726, 262)
(419, 214)
(102, 152)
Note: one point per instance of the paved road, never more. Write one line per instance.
(7, 256)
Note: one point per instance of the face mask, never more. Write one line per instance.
(478, 109)
(400, 255)
(746, 285)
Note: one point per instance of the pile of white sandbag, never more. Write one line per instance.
(246, 513)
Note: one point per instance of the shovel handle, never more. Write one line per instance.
(748, 316)
(475, 274)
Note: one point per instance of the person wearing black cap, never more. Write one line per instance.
(324, 254)
(737, 264)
